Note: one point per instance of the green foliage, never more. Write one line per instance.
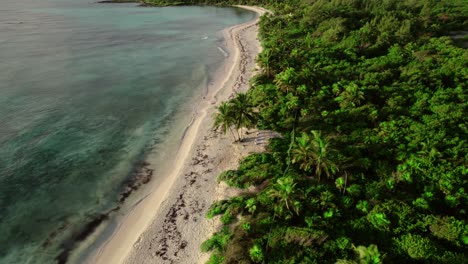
(246, 227)
(343, 243)
(378, 220)
(217, 208)
(371, 99)
(363, 206)
(227, 217)
(304, 237)
(416, 246)
(218, 241)
(283, 192)
(224, 118)
(253, 170)
(354, 190)
(256, 253)
(314, 152)
(369, 254)
(450, 229)
(228, 208)
(215, 258)
(364, 255)
(237, 113)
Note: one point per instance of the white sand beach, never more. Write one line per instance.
(169, 224)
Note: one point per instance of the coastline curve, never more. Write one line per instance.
(155, 214)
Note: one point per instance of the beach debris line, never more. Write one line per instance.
(185, 208)
(141, 176)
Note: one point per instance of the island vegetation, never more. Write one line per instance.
(371, 99)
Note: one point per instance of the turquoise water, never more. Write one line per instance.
(86, 90)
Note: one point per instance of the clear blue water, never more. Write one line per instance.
(85, 91)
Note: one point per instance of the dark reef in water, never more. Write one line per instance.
(140, 177)
(87, 230)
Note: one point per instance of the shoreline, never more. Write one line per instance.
(169, 223)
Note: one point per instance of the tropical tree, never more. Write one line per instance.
(313, 152)
(284, 192)
(285, 80)
(224, 119)
(264, 60)
(388, 81)
(242, 113)
(352, 96)
(365, 255)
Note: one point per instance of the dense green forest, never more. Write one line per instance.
(371, 99)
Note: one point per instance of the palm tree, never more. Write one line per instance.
(242, 113)
(365, 255)
(351, 96)
(284, 191)
(301, 152)
(224, 118)
(285, 79)
(264, 60)
(313, 152)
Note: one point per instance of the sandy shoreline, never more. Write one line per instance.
(169, 224)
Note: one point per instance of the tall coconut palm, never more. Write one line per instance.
(313, 152)
(264, 60)
(283, 191)
(242, 113)
(224, 119)
(285, 79)
(351, 96)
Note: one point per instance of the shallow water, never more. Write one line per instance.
(86, 90)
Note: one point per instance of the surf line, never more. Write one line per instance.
(223, 52)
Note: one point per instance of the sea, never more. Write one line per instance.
(87, 91)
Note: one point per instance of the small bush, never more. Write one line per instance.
(256, 253)
(217, 208)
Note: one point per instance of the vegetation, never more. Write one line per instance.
(236, 113)
(371, 98)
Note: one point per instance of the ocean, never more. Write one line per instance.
(87, 90)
